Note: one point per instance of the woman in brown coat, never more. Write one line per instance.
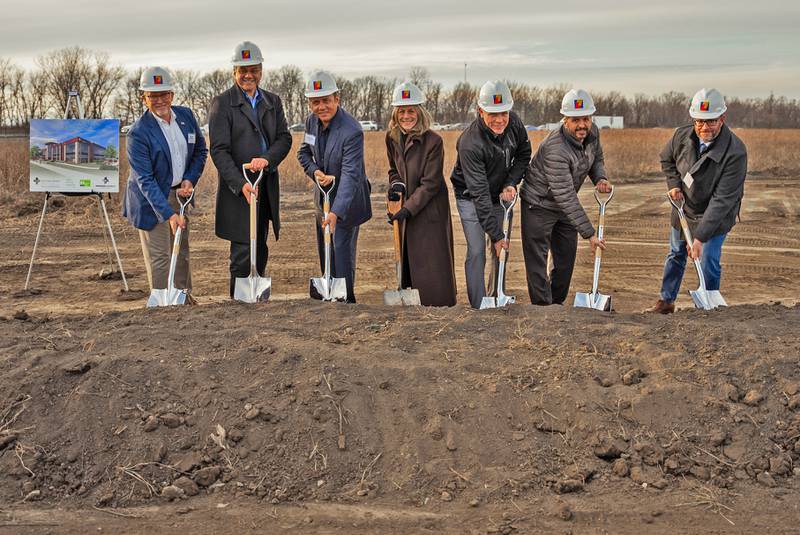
(416, 158)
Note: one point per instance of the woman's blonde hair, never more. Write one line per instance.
(424, 121)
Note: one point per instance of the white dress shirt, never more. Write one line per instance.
(177, 146)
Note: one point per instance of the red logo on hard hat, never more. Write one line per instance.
(498, 99)
(245, 54)
(406, 93)
(704, 106)
(579, 104)
(157, 80)
(317, 84)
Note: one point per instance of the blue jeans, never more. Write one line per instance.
(676, 263)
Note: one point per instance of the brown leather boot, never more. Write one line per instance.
(662, 307)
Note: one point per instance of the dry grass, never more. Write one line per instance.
(631, 154)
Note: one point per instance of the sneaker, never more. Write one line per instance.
(662, 307)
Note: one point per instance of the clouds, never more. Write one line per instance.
(748, 47)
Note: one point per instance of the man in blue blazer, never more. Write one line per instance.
(166, 153)
(333, 148)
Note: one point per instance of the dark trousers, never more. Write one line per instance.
(240, 255)
(544, 230)
(343, 255)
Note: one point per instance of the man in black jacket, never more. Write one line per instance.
(706, 165)
(493, 154)
(552, 215)
(247, 126)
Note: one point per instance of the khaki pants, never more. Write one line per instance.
(157, 249)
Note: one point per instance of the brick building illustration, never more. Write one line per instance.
(75, 150)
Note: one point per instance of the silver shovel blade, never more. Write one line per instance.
(166, 297)
(488, 302)
(322, 289)
(497, 302)
(252, 289)
(407, 297)
(596, 301)
(707, 299)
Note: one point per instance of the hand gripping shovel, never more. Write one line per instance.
(595, 299)
(171, 295)
(705, 299)
(501, 298)
(409, 296)
(327, 288)
(253, 288)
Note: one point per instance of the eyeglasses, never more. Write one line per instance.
(155, 97)
(706, 122)
(255, 69)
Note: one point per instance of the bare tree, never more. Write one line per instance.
(287, 82)
(100, 80)
(62, 70)
(128, 105)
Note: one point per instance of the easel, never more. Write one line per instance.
(104, 215)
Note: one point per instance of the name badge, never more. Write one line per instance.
(688, 180)
(309, 139)
(192, 137)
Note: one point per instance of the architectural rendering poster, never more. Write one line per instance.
(74, 155)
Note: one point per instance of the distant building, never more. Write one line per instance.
(75, 150)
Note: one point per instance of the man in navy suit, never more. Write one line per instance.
(167, 153)
(333, 149)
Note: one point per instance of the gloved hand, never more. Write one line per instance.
(396, 190)
(400, 216)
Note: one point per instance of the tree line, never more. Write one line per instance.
(109, 90)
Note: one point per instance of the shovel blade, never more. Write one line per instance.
(503, 300)
(707, 299)
(497, 302)
(596, 301)
(407, 297)
(252, 289)
(488, 302)
(166, 297)
(322, 289)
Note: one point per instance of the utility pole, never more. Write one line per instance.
(465, 73)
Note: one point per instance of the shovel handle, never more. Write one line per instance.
(245, 169)
(601, 201)
(185, 202)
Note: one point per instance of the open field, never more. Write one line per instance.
(299, 416)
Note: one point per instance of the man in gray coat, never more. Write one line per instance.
(247, 125)
(551, 211)
(705, 164)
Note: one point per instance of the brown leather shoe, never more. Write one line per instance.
(662, 307)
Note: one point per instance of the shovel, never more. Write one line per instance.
(253, 288)
(327, 288)
(409, 296)
(703, 298)
(171, 295)
(502, 299)
(595, 299)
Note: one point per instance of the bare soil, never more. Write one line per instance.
(300, 416)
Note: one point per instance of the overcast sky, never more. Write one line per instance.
(742, 47)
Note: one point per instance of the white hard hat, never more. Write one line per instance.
(156, 80)
(495, 97)
(320, 84)
(707, 104)
(407, 94)
(577, 103)
(246, 53)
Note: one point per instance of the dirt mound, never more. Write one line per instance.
(303, 402)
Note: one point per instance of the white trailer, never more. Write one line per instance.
(608, 121)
